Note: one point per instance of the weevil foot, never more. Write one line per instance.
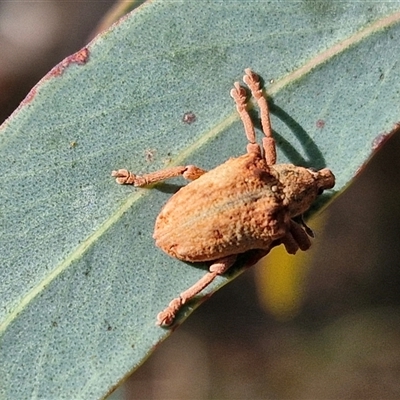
(167, 317)
(252, 80)
(125, 177)
(238, 93)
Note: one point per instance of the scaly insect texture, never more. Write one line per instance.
(247, 203)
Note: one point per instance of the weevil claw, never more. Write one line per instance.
(124, 177)
(167, 317)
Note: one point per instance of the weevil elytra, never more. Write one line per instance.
(247, 203)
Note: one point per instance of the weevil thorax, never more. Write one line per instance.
(301, 186)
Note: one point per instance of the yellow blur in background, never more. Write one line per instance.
(280, 277)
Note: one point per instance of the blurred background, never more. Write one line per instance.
(325, 326)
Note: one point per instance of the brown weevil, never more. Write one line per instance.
(246, 203)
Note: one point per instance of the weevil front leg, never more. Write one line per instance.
(296, 238)
(252, 80)
(239, 95)
(125, 177)
(219, 267)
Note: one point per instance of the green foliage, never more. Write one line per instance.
(81, 280)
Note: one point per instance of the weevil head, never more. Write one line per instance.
(301, 186)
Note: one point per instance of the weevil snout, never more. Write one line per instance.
(301, 186)
(324, 179)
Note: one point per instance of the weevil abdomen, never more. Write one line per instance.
(229, 210)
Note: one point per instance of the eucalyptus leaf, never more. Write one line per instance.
(81, 279)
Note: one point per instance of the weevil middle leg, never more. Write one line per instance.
(125, 177)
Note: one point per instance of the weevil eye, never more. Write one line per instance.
(320, 191)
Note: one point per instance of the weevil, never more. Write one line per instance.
(246, 203)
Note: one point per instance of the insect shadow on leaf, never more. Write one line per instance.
(315, 157)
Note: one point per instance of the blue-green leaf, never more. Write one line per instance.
(81, 280)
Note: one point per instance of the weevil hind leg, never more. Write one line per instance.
(125, 177)
(252, 80)
(219, 267)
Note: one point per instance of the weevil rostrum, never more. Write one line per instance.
(246, 203)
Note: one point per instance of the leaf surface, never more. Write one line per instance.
(81, 280)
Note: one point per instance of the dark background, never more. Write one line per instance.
(344, 343)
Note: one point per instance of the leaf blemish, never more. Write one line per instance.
(189, 118)
(80, 58)
(150, 153)
(380, 140)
